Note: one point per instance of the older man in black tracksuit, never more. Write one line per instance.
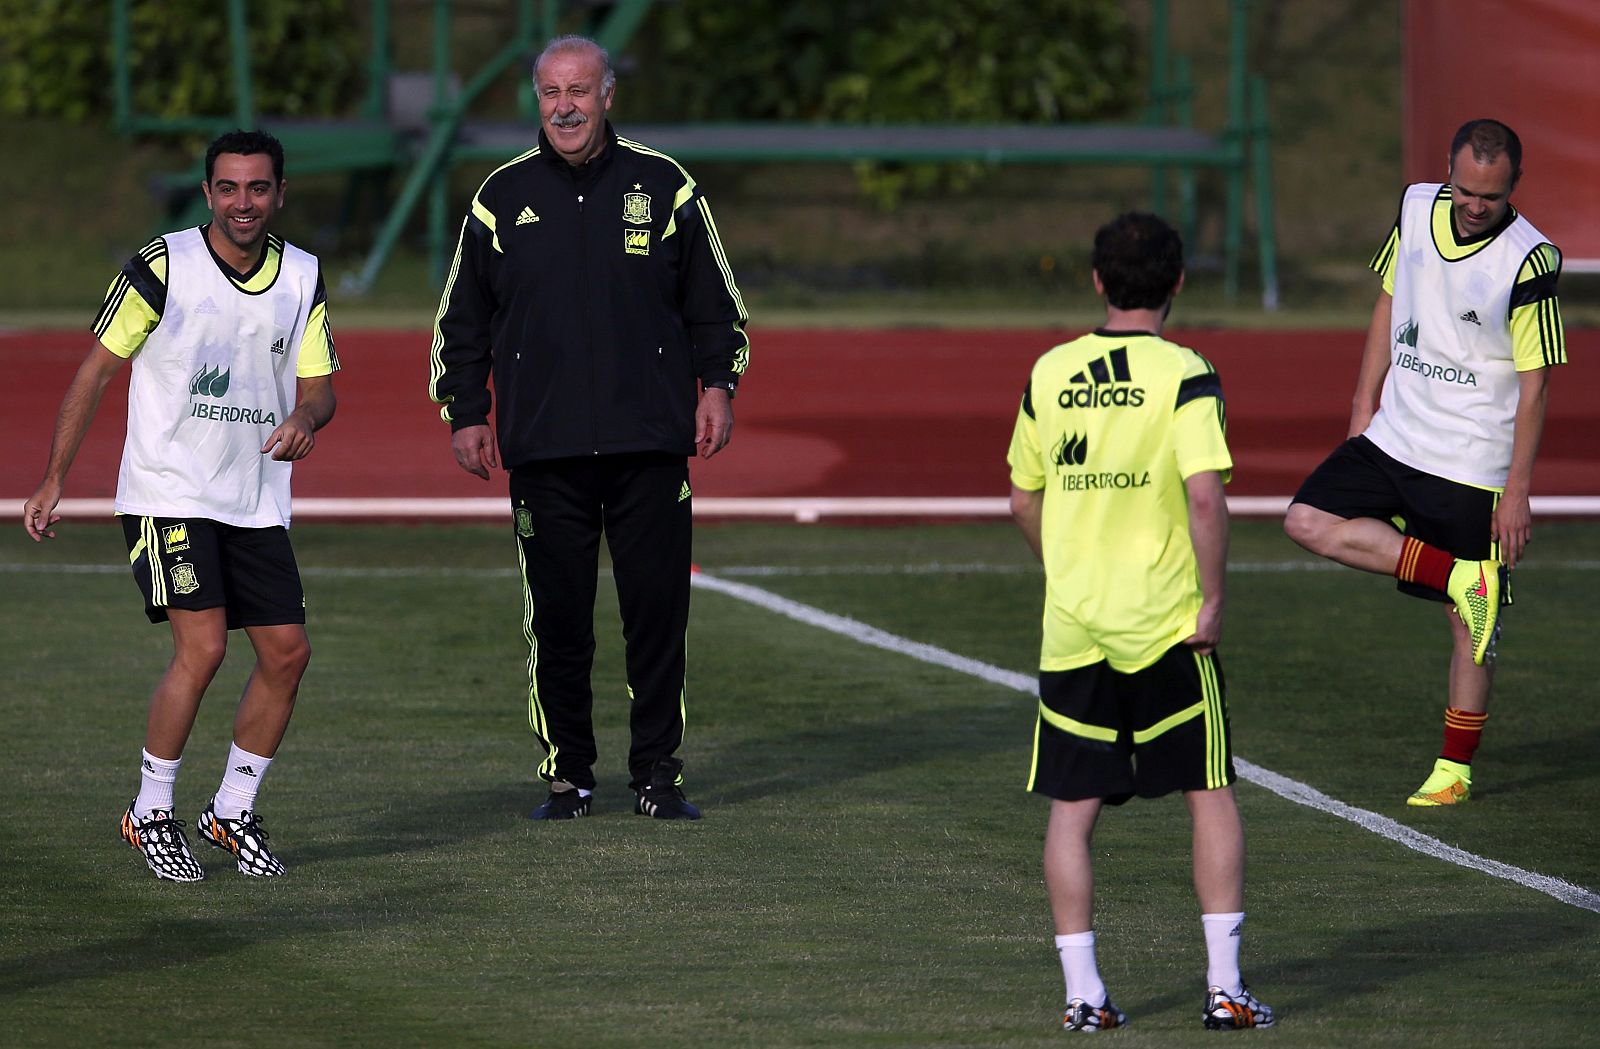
(590, 283)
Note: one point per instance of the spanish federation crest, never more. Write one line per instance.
(183, 578)
(524, 522)
(636, 208)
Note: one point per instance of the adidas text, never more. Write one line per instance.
(1102, 397)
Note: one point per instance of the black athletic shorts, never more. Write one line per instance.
(1105, 734)
(194, 564)
(1360, 480)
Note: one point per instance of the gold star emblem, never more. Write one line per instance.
(637, 186)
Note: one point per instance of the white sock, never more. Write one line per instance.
(1078, 968)
(156, 777)
(240, 782)
(1222, 950)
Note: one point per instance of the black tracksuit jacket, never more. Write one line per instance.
(596, 295)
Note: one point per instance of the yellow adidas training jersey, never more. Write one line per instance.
(1110, 426)
(137, 298)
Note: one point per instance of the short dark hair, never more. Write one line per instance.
(1140, 260)
(245, 143)
(1489, 139)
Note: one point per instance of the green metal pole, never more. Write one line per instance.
(441, 55)
(1188, 182)
(433, 163)
(440, 116)
(549, 18)
(1156, 110)
(244, 102)
(1266, 226)
(121, 59)
(619, 26)
(377, 105)
(438, 205)
(1235, 133)
(527, 104)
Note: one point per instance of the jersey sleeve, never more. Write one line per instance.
(1383, 261)
(713, 309)
(1200, 423)
(1537, 337)
(317, 355)
(1027, 464)
(134, 301)
(461, 360)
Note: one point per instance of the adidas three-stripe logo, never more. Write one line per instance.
(526, 217)
(1103, 384)
(1098, 372)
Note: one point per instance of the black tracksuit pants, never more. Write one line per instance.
(561, 506)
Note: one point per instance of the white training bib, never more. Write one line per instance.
(209, 385)
(1450, 398)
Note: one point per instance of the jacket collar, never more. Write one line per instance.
(594, 164)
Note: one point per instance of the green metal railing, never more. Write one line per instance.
(1165, 142)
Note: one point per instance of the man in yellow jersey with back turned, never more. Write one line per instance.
(1118, 461)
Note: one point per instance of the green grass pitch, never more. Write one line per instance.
(867, 871)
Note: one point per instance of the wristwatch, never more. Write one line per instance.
(727, 385)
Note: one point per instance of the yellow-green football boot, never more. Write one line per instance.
(1475, 587)
(1449, 784)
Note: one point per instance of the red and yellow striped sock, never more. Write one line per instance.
(1462, 731)
(1423, 564)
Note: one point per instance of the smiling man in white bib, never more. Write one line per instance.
(1432, 484)
(227, 328)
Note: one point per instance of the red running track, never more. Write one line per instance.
(821, 413)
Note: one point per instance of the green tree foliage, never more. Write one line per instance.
(55, 58)
(902, 61)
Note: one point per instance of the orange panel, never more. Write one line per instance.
(1531, 65)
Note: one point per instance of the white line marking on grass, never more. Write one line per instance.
(1385, 827)
(856, 630)
(1283, 786)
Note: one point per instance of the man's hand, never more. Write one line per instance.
(39, 512)
(292, 440)
(1511, 527)
(1207, 628)
(713, 422)
(474, 450)
(295, 438)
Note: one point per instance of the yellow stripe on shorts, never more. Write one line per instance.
(158, 579)
(1077, 728)
(1216, 724)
